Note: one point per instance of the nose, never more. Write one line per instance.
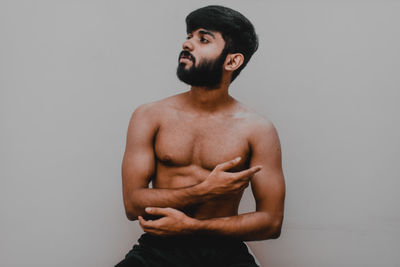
(187, 45)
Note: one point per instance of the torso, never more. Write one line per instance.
(189, 145)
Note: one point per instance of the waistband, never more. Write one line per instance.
(188, 241)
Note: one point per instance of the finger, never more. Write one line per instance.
(147, 224)
(141, 219)
(248, 172)
(157, 211)
(229, 164)
(141, 222)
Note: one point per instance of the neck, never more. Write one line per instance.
(210, 99)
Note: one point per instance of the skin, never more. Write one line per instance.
(201, 149)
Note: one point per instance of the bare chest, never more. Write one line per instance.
(206, 142)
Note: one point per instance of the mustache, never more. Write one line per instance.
(187, 55)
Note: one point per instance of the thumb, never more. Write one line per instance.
(156, 211)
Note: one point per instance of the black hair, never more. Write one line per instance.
(238, 32)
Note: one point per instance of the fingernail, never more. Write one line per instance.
(147, 209)
(238, 158)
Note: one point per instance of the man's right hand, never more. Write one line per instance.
(221, 183)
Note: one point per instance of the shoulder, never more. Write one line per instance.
(260, 128)
(262, 138)
(155, 111)
(263, 126)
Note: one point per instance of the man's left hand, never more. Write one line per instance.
(173, 222)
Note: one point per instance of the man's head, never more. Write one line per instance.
(217, 36)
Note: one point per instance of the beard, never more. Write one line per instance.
(208, 73)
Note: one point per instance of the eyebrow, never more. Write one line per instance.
(207, 32)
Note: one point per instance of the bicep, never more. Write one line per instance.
(268, 185)
(139, 161)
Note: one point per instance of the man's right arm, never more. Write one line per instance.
(138, 167)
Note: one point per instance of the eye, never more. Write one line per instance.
(203, 40)
(188, 37)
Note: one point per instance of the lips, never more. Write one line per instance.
(184, 59)
(185, 56)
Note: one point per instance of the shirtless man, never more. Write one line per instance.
(200, 150)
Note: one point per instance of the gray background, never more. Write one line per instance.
(72, 72)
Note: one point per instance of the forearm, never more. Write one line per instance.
(179, 198)
(247, 227)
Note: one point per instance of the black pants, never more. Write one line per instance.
(188, 251)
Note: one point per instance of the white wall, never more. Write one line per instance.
(72, 72)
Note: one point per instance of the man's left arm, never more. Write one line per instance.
(268, 187)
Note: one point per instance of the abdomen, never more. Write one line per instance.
(180, 177)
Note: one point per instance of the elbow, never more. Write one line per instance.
(276, 229)
(273, 229)
(276, 233)
(130, 211)
(131, 216)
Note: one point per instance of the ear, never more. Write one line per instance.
(233, 61)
